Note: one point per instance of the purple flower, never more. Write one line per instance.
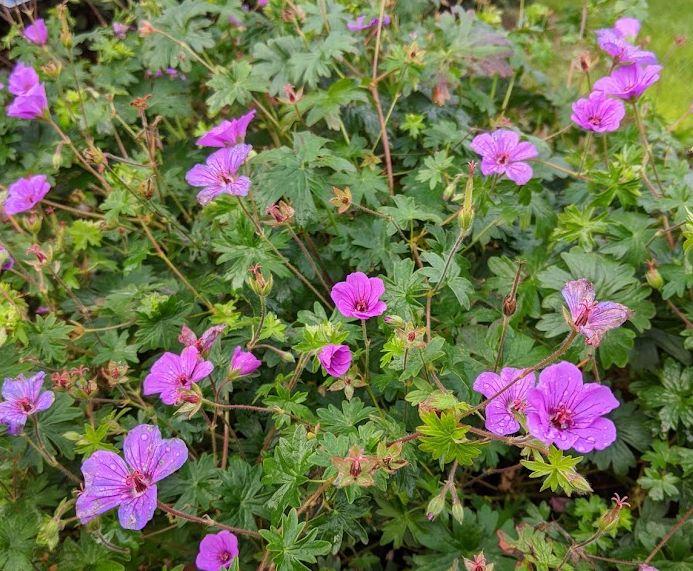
(6, 261)
(37, 33)
(22, 79)
(359, 296)
(243, 363)
(503, 411)
(628, 28)
(591, 318)
(227, 133)
(217, 551)
(25, 193)
(569, 414)
(172, 376)
(622, 51)
(219, 174)
(360, 23)
(598, 113)
(335, 358)
(120, 30)
(502, 153)
(29, 106)
(188, 338)
(628, 82)
(130, 485)
(23, 397)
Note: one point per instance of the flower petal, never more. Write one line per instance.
(135, 513)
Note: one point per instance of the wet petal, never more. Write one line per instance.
(135, 513)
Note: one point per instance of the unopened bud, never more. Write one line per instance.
(653, 277)
(146, 28)
(585, 62)
(394, 320)
(258, 282)
(466, 215)
(458, 511)
(435, 507)
(579, 482)
(509, 305)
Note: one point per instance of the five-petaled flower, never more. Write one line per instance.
(502, 153)
(336, 359)
(590, 317)
(503, 411)
(243, 363)
(188, 338)
(628, 82)
(219, 174)
(37, 33)
(23, 398)
(359, 296)
(217, 551)
(172, 376)
(598, 113)
(25, 193)
(569, 414)
(130, 484)
(227, 133)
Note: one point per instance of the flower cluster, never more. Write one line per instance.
(219, 174)
(30, 99)
(635, 70)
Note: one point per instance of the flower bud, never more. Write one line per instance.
(48, 533)
(458, 511)
(394, 320)
(435, 507)
(466, 215)
(258, 282)
(653, 277)
(509, 305)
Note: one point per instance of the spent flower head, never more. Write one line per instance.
(188, 338)
(130, 484)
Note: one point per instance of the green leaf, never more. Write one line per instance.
(85, 233)
(659, 485)
(49, 337)
(115, 347)
(344, 422)
(17, 541)
(196, 484)
(558, 471)
(55, 422)
(445, 439)
(234, 86)
(289, 546)
(325, 104)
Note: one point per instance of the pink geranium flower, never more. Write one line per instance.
(569, 414)
(359, 296)
(130, 484)
(29, 106)
(598, 113)
(173, 376)
(217, 551)
(503, 154)
(336, 359)
(25, 193)
(243, 363)
(504, 411)
(22, 80)
(219, 174)
(628, 82)
(591, 318)
(23, 398)
(628, 28)
(37, 33)
(188, 338)
(227, 133)
(622, 51)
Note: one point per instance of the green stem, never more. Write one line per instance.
(366, 366)
(448, 261)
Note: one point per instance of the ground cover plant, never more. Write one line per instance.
(344, 285)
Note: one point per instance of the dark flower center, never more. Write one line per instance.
(355, 469)
(584, 314)
(518, 405)
(182, 379)
(503, 159)
(25, 405)
(224, 557)
(562, 417)
(361, 305)
(226, 178)
(137, 481)
(595, 121)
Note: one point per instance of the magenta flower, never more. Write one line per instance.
(25, 193)
(130, 484)
(120, 30)
(23, 398)
(243, 363)
(628, 82)
(502, 153)
(591, 318)
(569, 414)
(227, 133)
(359, 296)
(335, 358)
(361, 24)
(37, 33)
(172, 376)
(217, 551)
(628, 28)
(622, 51)
(503, 412)
(188, 338)
(219, 175)
(29, 106)
(6, 261)
(22, 80)
(598, 113)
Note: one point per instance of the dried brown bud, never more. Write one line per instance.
(585, 62)
(280, 212)
(441, 93)
(509, 305)
(141, 103)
